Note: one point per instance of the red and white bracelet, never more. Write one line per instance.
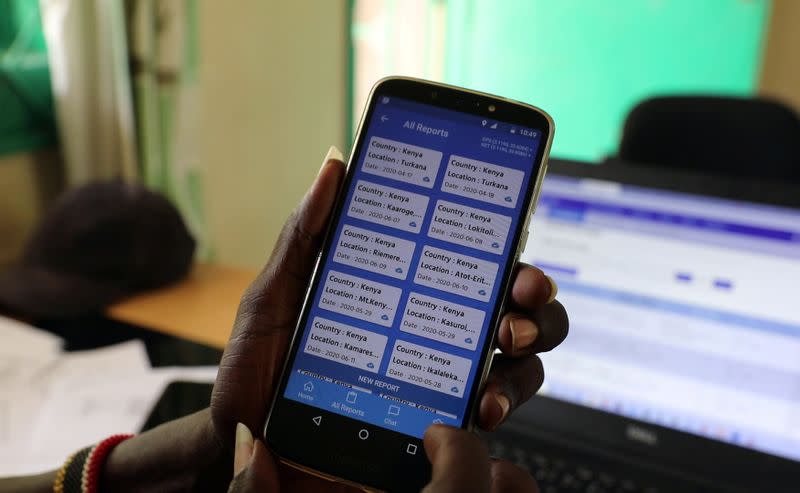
(81, 471)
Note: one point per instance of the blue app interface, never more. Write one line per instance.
(403, 305)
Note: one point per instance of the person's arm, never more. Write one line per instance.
(181, 455)
(41, 483)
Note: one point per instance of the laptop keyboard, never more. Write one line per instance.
(557, 475)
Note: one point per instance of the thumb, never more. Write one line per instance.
(255, 470)
(268, 310)
(460, 461)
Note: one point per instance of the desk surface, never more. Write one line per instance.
(200, 308)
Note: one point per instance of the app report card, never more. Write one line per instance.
(442, 321)
(469, 227)
(374, 252)
(402, 162)
(483, 181)
(456, 273)
(360, 298)
(344, 344)
(429, 368)
(388, 206)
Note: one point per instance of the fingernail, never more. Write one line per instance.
(523, 333)
(243, 449)
(553, 289)
(504, 404)
(333, 153)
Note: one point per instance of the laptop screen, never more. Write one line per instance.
(684, 310)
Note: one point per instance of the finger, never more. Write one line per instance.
(511, 382)
(260, 475)
(509, 478)
(460, 461)
(243, 450)
(532, 288)
(553, 324)
(540, 331)
(517, 334)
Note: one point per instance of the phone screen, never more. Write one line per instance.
(409, 286)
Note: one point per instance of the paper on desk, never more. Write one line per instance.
(72, 399)
(24, 351)
(74, 416)
(27, 336)
(36, 370)
(81, 368)
(26, 354)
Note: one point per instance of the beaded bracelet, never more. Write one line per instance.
(81, 471)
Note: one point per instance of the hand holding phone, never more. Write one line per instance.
(250, 369)
(401, 320)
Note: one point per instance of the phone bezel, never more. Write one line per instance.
(448, 97)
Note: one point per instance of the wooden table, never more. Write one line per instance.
(200, 308)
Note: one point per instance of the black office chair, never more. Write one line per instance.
(736, 136)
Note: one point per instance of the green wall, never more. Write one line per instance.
(587, 62)
(26, 104)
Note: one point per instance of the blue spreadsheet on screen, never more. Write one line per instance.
(682, 309)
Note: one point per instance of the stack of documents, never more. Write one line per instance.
(53, 403)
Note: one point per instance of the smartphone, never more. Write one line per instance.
(397, 331)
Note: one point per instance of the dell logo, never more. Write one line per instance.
(642, 435)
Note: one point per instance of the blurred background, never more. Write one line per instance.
(229, 110)
(684, 325)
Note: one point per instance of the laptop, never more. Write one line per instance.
(681, 371)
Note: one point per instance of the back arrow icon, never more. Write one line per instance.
(384, 118)
(317, 420)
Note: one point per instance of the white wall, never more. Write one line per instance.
(272, 76)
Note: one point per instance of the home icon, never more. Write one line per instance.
(308, 387)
